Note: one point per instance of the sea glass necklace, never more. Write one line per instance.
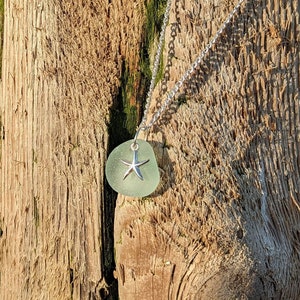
(131, 168)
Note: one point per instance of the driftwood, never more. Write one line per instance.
(223, 224)
(61, 70)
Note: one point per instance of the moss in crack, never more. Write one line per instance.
(155, 10)
(125, 116)
(128, 95)
(134, 84)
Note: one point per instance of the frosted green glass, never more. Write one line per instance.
(139, 183)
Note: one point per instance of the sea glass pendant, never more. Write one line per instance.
(131, 169)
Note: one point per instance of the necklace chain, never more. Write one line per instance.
(185, 76)
(156, 64)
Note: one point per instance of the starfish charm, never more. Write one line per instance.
(134, 165)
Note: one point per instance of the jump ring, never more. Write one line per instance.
(137, 133)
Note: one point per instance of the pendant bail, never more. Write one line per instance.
(141, 128)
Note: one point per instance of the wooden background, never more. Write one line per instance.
(224, 223)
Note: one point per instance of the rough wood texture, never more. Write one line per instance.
(224, 223)
(61, 70)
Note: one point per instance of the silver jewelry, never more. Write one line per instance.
(133, 183)
(185, 76)
(134, 165)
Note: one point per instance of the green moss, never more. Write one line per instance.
(128, 93)
(134, 85)
(131, 120)
(123, 118)
(155, 10)
(1, 32)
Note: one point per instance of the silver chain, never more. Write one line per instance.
(156, 63)
(185, 76)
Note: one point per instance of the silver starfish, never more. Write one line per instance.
(134, 165)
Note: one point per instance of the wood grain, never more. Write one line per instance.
(224, 223)
(61, 71)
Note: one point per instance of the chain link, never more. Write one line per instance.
(185, 76)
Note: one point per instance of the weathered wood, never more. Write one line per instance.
(224, 223)
(61, 70)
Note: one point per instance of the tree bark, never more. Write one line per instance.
(224, 223)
